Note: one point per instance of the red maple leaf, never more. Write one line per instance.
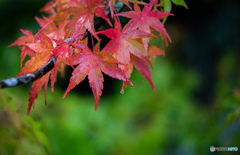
(143, 67)
(21, 41)
(145, 19)
(123, 42)
(28, 38)
(83, 17)
(49, 28)
(44, 51)
(93, 64)
(48, 7)
(63, 52)
(154, 51)
(36, 88)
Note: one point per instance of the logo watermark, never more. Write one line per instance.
(212, 148)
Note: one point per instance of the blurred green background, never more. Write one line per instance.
(196, 104)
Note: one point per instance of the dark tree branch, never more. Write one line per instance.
(27, 78)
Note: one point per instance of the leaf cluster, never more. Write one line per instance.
(63, 37)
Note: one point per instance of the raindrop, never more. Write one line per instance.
(122, 91)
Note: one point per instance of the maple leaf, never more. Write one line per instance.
(145, 19)
(153, 52)
(62, 52)
(53, 26)
(42, 48)
(93, 64)
(54, 6)
(28, 38)
(49, 27)
(36, 88)
(142, 66)
(130, 51)
(21, 41)
(83, 17)
(123, 42)
(48, 7)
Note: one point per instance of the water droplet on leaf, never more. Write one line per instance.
(122, 91)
